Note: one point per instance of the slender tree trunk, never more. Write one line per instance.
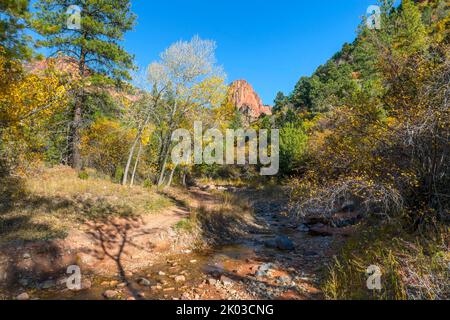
(130, 158)
(136, 165)
(78, 116)
(163, 170)
(171, 176)
(133, 147)
(162, 161)
(166, 145)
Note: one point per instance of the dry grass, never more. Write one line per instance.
(225, 222)
(49, 203)
(231, 204)
(237, 182)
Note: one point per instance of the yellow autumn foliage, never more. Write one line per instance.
(27, 103)
(105, 145)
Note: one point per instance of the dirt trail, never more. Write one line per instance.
(145, 259)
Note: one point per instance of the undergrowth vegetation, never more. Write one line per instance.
(411, 267)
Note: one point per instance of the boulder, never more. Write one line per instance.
(280, 242)
(264, 270)
(284, 243)
(303, 228)
(284, 280)
(270, 243)
(226, 281)
(23, 296)
(110, 294)
(320, 230)
(144, 282)
(48, 284)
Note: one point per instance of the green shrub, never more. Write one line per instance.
(118, 174)
(83, 175)
(185, 225)
(292, 148)
(148, 183)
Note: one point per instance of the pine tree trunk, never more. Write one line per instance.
(78, 117)
(76, 138)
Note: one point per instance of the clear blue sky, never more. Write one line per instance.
(271, 44)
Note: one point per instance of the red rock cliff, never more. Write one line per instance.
(243, 96)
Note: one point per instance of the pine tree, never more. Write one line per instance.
(301, 96)
(95, 46)
(13, 16)
(411, 34)
(280, 102)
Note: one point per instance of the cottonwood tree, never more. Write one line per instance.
(187, 80)
(95, 47)
(140, 115)
(28, 102)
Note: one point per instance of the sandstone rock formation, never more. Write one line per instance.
(246, 100)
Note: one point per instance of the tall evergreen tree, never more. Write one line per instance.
(280, 102)
(95, 46)
(301, 96)
(13, 15)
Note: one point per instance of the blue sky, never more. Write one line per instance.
(271, 44)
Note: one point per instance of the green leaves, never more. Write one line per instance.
(293, 146)
(13, 21)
